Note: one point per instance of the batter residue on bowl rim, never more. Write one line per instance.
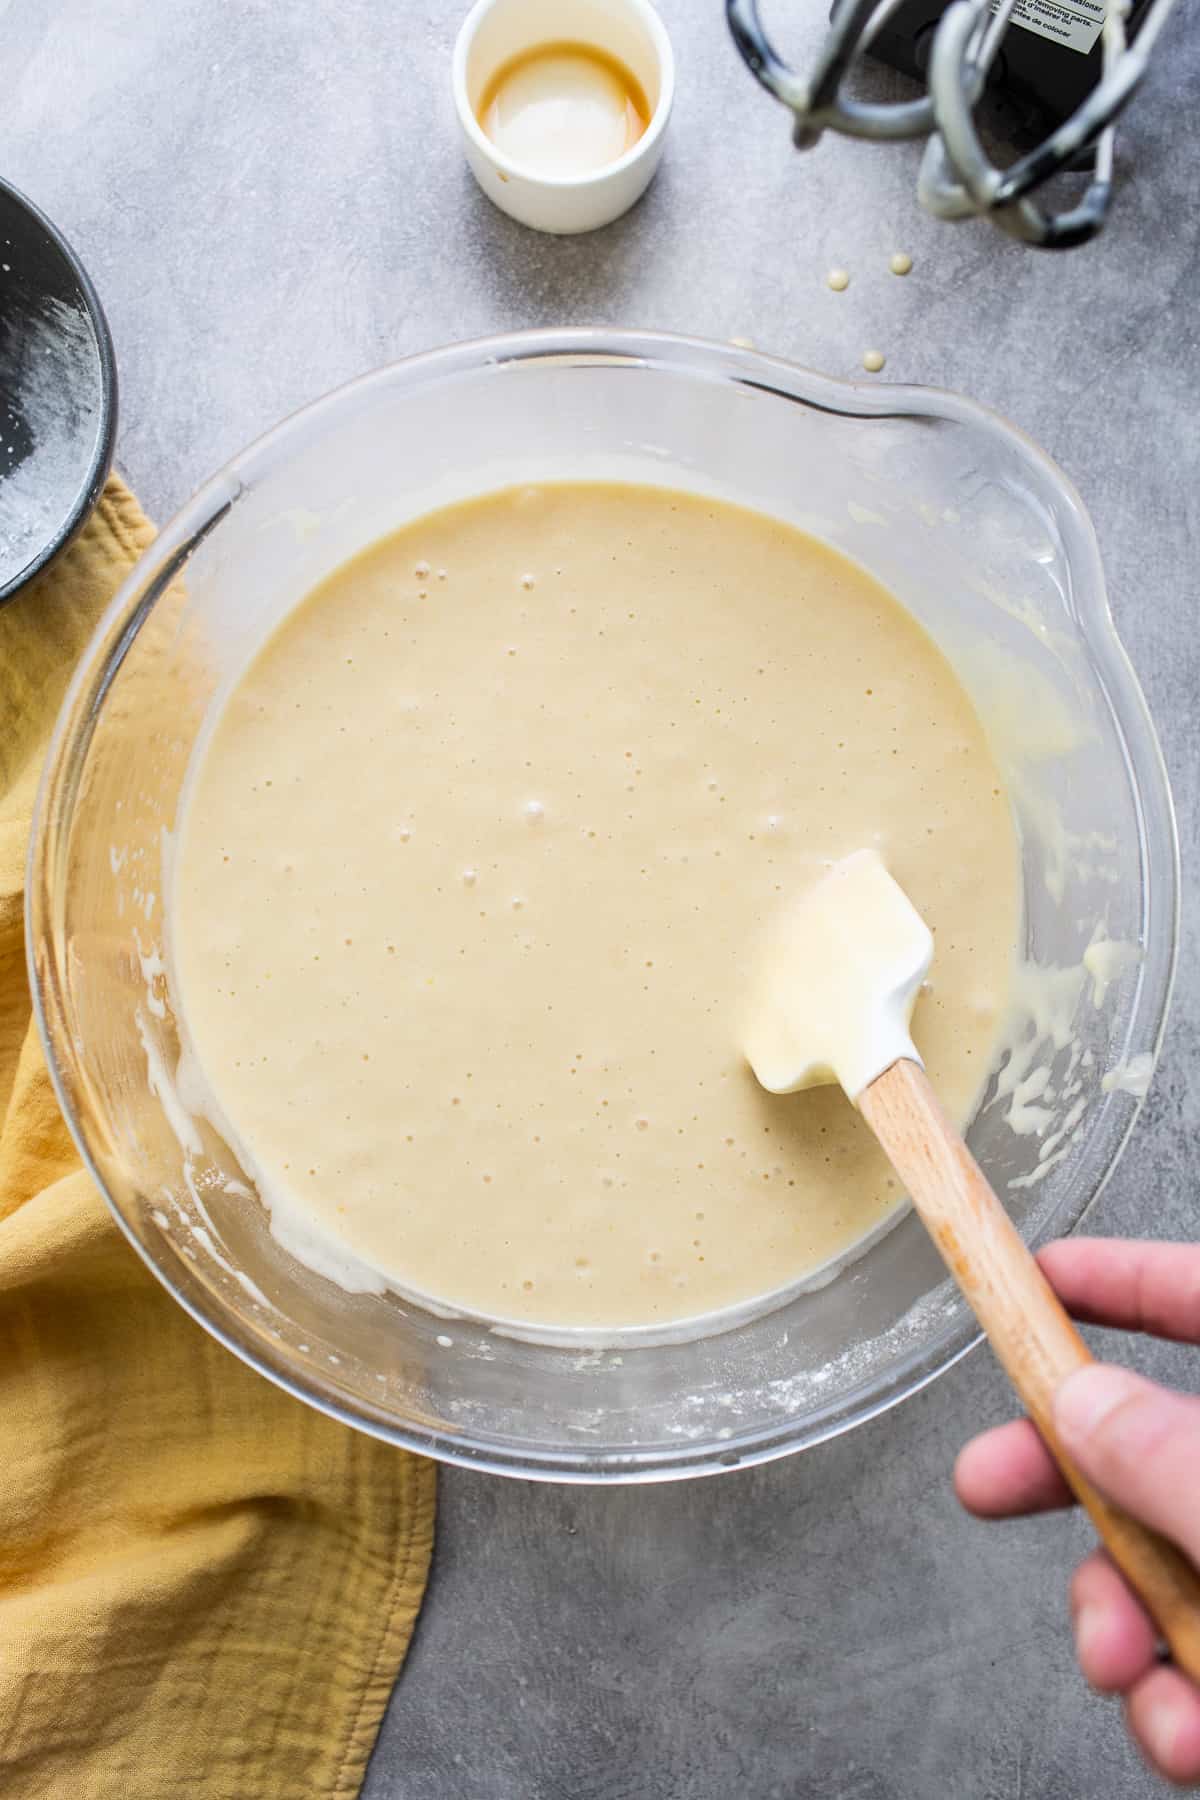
(477, 856)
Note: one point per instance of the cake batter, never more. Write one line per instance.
(474, 867)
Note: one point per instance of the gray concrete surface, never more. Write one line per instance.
(269, 197)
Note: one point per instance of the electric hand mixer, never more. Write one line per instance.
(1078, 61)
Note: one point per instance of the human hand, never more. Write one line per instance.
(1140, 1445)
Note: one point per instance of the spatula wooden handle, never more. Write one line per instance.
(1025, 1323)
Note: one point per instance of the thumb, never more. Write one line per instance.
(1139, 1443)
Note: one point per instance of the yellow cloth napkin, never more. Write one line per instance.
(206, 1588)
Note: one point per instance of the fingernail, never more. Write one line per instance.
(1089, 1627)
(1087, 1397)
(1159, 1726)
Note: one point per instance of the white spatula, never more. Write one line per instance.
(841, 979)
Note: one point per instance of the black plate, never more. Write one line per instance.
(58, 392)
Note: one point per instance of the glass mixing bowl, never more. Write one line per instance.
(964, 519)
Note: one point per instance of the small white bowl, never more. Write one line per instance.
(494, 32)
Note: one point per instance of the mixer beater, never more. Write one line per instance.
(1078, 62)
